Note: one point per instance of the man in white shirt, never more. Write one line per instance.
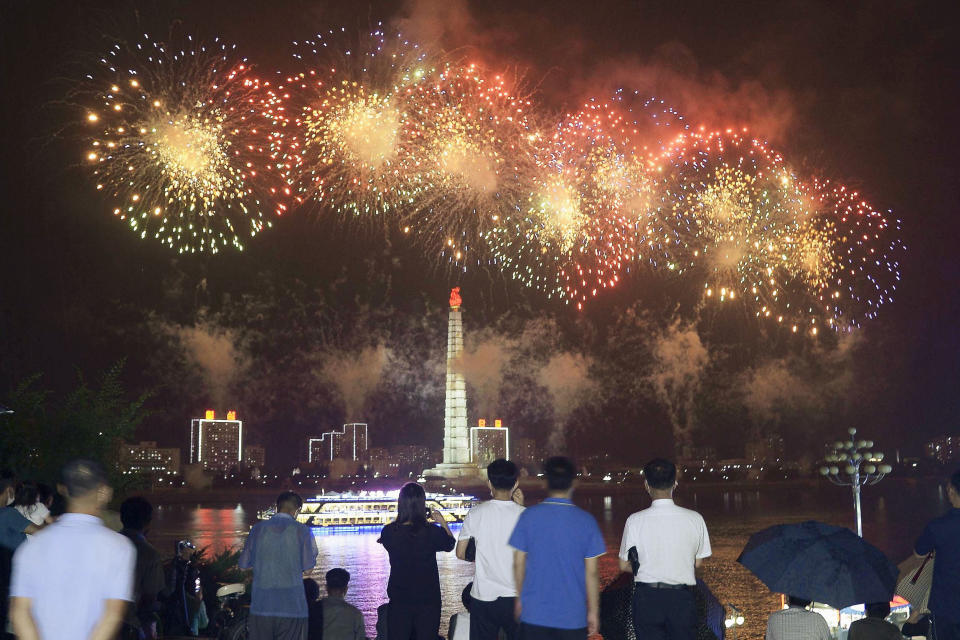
(74, 579)
(490, 525)
(671, 543)
(797, 623)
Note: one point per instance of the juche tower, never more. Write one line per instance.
(456, 435)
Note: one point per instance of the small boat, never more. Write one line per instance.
(370, 508)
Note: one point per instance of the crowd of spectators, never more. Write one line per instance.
(64, 575)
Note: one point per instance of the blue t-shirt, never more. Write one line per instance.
(557, 537)
(12, 526)
(943, 536)
(279, 550)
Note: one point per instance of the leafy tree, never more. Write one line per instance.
(46, 431)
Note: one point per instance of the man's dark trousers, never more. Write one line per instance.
(943, 630)
(409, 621)
(664, 614)
(487, 618)
(6, 566)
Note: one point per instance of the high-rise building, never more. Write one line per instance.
(525, 451)
(456, 446)
(378, 453)
(691, 454)
(488, 444)
(254, 456)
(413, 455)
(349, 443)
(216, 444)
(768, 448)
(149, 459)
(944, 449)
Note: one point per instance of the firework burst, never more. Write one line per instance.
(350, 145)
(746, 215)
(475, 153)
(851, 261)
(589, 195)
(197, 152)
(175, 141)
(652, 129)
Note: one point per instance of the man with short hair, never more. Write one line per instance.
(556, 546)
(279, 550)
(74, 579)
(942, 535)
(341, 620)
(797, 623)
(149, 580)
(489, 525)
(875, 625)
(671, 543)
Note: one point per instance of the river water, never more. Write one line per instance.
(894, 513)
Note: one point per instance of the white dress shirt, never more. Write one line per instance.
(669, 539)
(68, 570)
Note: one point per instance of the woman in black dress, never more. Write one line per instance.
(414, 586)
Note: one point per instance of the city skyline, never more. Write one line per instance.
(326, 319)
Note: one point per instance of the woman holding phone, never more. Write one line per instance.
(412, 541)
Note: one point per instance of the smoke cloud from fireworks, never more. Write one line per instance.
(567, 380)
(218, 354)
(680, 359)
(483, 362)
(776, 387)
(355, 375)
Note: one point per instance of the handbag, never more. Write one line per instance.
(914, 586)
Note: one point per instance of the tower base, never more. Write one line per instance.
(453, 470)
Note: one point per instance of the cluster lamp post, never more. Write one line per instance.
(859, 468)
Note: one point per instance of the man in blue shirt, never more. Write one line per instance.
(279, 550)
(942, 535)
(556, 546)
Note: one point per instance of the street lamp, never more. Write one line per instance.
(859, 468)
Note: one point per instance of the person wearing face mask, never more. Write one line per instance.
(14, 528)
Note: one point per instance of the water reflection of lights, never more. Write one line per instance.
(209, 525)
(358, 552)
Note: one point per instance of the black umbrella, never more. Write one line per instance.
(820, 562)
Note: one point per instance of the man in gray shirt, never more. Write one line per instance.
(279, 550)
(341, 620)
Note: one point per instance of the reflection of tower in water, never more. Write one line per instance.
(456, 435)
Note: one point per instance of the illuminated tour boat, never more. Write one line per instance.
(371, 509)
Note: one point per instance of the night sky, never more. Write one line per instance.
(864, 92)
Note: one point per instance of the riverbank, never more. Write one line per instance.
(265, 495)
(534, 488)
(894, 513)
